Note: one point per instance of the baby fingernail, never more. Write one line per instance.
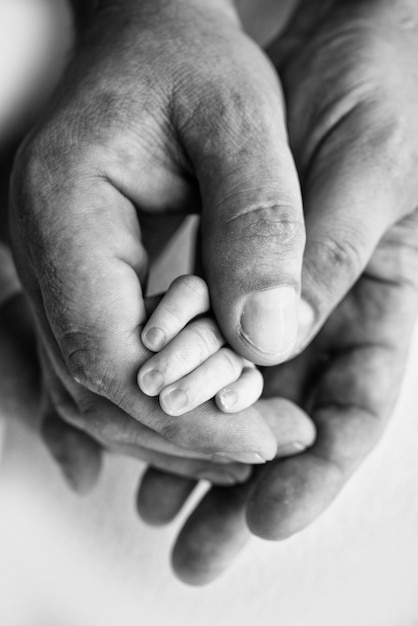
(269, 320)
(290, 449)
(151, 382)
(154, 339)
(228, 399)
(253, 458)
(174, 400)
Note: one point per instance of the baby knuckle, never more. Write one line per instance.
(232, 361)
(209, 335)
(195, 284)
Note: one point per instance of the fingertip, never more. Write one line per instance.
(78, 456)
(226, 400)
(241, 394)
(212, 537)
(150, 382)
(291, 426)
(290, 495)
(186, 298)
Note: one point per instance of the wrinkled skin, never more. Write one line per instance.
(353, 131)
(139, 124)
(351, 87)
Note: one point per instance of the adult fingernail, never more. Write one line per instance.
(174, 401)
(217, 478)
(154, 339)
(253, 458)
(269, 320)
(151, 382)
(228, 398)
(290, 449)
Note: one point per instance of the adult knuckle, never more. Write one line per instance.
(340, 255)
(229, 104)
(50, 158)
(216, 105)
(84, 361)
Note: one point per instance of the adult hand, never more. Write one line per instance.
(78, 410)
(351, 83)
(91, 422)
(164, 106)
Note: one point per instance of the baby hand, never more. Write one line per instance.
(193, 365)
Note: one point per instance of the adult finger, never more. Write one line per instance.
(242, 393)
(350, 133)
(77, 454)
(213, 536)
(292, 493)
(218, 474)
(348, 210)
(216, 531)
(206, 430)
(369, 339)
(252, 224)
(78, 451)
(161, 496)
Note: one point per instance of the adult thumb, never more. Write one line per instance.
(253, 232)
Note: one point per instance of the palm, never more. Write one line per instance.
(349, 378)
